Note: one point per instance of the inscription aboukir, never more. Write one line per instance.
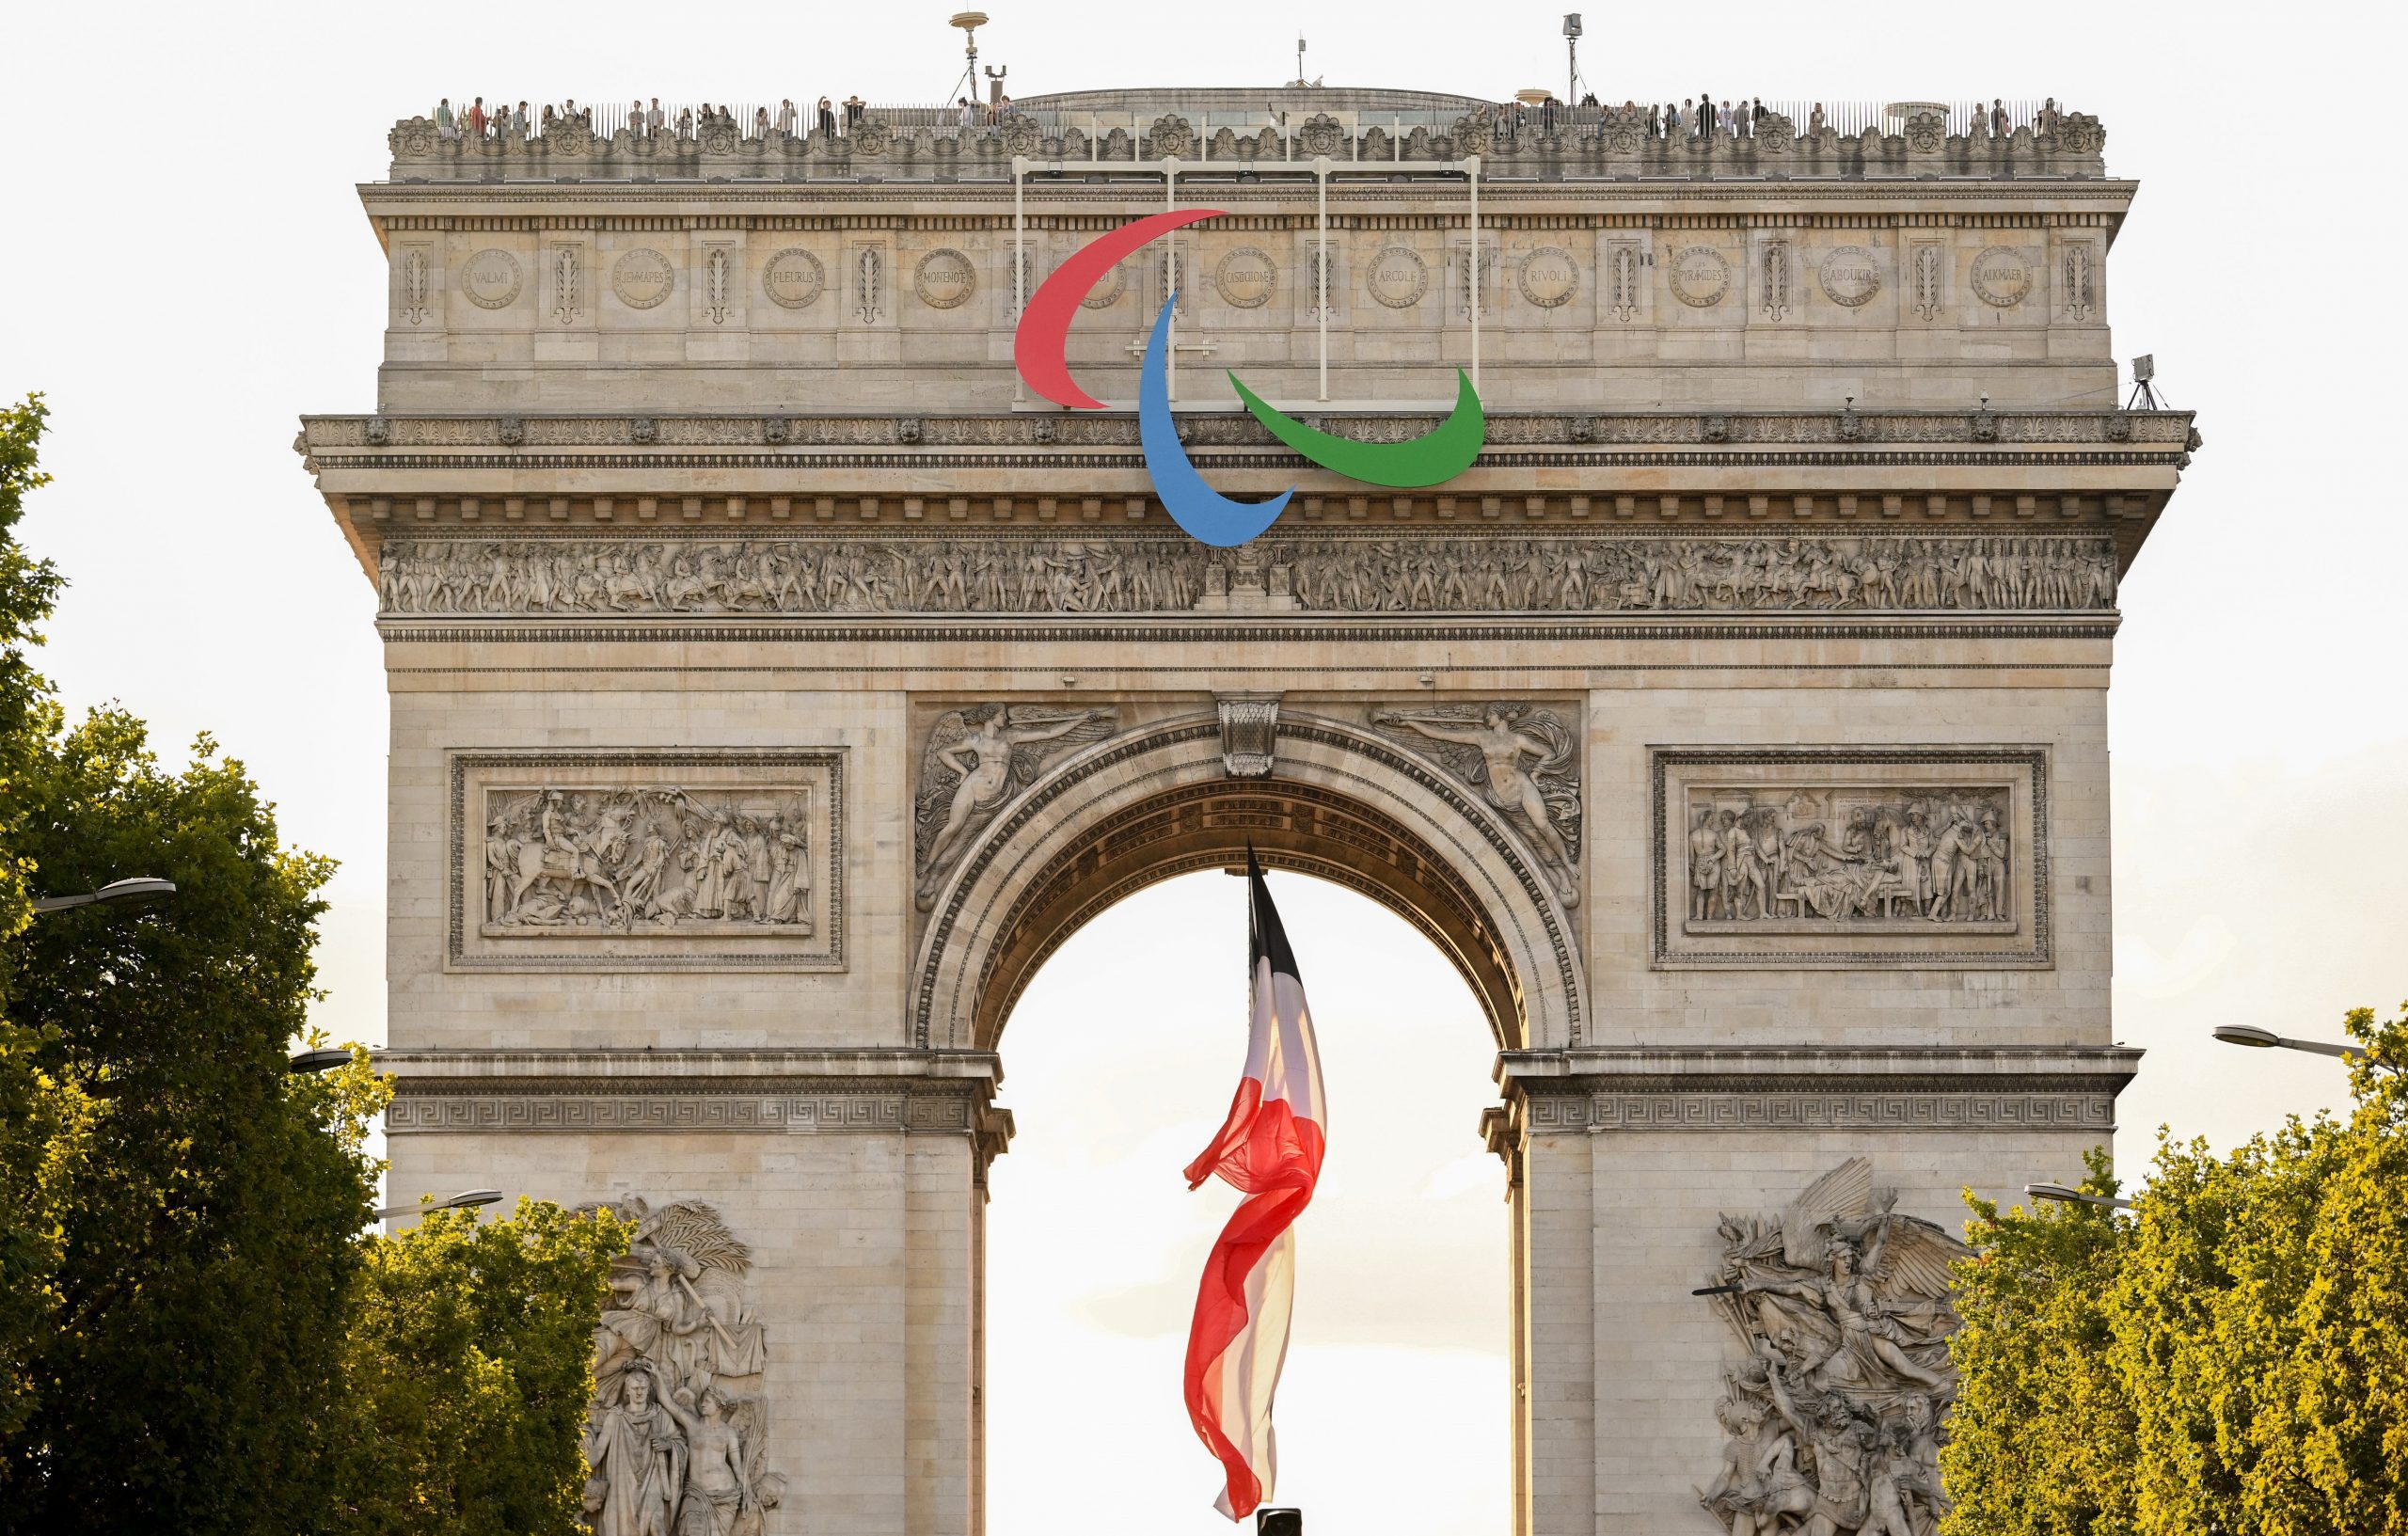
(541, 578)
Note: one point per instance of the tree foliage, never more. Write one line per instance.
(2231, 1358)
(467, 1370)
(41, 1118)
(195, 1336)
(210, 1213)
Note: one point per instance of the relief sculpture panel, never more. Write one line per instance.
(1524, 760)
(645, 860)
(977, 759)
(1145, 574)
(676, 1436)
(1844, 856)
(1835, 1418)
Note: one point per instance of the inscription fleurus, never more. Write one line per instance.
(793, 279)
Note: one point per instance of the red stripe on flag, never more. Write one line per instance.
(1266, 1151)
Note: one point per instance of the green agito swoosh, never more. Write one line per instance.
(1437, 455)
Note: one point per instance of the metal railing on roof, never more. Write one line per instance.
(1850, 119)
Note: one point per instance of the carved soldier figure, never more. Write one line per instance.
(1995, 903)
(1705, 866)
(638, 1459)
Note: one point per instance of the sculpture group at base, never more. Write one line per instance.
(1835, 1418)
(676, 1433)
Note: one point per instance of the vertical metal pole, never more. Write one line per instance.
(1320, 271)
(1471, 168)
(1020, 262)
(1171, 287)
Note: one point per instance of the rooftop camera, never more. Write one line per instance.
(1572, 23)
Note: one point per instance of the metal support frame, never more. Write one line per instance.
(1320, 168)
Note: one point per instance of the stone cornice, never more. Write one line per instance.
(870, 1066)
(1757, 1068)
(793, 435)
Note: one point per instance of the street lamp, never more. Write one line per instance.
(461, 1201)
(2250, 1035)
(2074, 1196)
(140, 890)
(323, 1059)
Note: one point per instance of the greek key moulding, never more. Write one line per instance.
(647, 861)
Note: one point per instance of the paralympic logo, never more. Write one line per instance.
(1206, 515)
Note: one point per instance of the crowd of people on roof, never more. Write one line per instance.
(650, 120)
(1698, 116)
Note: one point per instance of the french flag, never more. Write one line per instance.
(1270, 1150)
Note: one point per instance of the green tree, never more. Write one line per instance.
(2233, 1357)
(466, 1374)
(41, 1118)
(2041, 1439)
(208, 1215)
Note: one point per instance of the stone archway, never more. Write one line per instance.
(1339, 802)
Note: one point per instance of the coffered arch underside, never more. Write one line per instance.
(1339, 804)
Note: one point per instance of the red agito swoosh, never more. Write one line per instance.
(1045, 323)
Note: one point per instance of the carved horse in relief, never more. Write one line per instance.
(569, 867)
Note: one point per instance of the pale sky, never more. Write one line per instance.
(189, 271)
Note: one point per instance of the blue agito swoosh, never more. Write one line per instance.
(1208, 516)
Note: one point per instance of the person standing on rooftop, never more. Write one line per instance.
(1705, 121)
(444, 125)
(518, 121)
(1738, 120)
(1814, 124)
(827, 118)
(477, 117)
(854, 107)
(654, 120)
(1999, 128)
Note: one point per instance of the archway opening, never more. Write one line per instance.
(1122, 1051)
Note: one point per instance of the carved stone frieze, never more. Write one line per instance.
(537, 577)
(647, 859)
(1842, 856)
(1793, 858)
(1843, 1307)
(1523, 759)
(678, 1434)
(977, 759)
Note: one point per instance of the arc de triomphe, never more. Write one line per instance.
(775, 684)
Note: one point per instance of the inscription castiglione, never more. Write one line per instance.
(1408, 573)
